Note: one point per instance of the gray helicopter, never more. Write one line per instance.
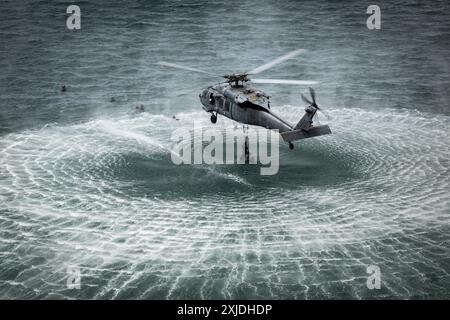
(238, 100)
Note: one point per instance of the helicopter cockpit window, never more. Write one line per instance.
(211, 98)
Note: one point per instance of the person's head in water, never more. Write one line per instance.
(63, 88)
(142, 107)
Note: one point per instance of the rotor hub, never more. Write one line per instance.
(234, 79)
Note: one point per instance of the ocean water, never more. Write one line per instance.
(89, 183)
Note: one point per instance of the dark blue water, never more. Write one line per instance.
(86, 182)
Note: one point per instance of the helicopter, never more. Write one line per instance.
(239, 100)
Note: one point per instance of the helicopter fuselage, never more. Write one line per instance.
(242, 103)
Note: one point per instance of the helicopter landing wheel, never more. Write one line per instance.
(213, 118)
(291, 145)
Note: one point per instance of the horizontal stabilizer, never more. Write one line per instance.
(305, 133)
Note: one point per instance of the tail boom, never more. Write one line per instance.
(298, 134)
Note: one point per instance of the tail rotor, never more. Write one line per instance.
(313, 102)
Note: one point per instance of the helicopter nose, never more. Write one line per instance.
(201, 96)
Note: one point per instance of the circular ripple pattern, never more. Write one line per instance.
(105, 196)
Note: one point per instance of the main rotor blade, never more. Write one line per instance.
(276, 61)
(306, 100)
(283, 81)
(178, 66)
